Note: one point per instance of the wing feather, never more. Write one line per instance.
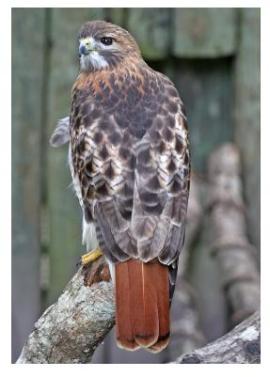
(132, 162)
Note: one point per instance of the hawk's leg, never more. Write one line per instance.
(91, 256)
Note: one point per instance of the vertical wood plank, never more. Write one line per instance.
(207, 32)
(64, 213)
(27, 67)
(117, 16)
(247, 106)
(151, 29)
(206, 88)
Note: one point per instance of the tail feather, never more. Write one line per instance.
(124, 330)
(142, 305)
(144, 315)
(163, 308)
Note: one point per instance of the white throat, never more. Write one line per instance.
(94, 59)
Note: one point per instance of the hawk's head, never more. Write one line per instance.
(102, 45)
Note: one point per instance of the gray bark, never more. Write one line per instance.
(239, 346)
(70, 330)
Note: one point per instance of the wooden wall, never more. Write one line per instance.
(212, 55)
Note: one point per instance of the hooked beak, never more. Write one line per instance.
(83, 50)
(86, 46)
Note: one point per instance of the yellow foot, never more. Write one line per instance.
(91, 256)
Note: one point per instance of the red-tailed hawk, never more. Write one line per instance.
(129, 160)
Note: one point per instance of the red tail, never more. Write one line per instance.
(142, 305)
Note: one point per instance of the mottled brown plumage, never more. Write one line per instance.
(130, 164)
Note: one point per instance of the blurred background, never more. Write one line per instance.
(213, 57)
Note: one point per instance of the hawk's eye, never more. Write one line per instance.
(106, 41)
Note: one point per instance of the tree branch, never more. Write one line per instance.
(70, 330)
(235, 255)
(186, 332)
(240, 346)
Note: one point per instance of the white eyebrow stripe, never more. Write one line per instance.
(88, 39)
